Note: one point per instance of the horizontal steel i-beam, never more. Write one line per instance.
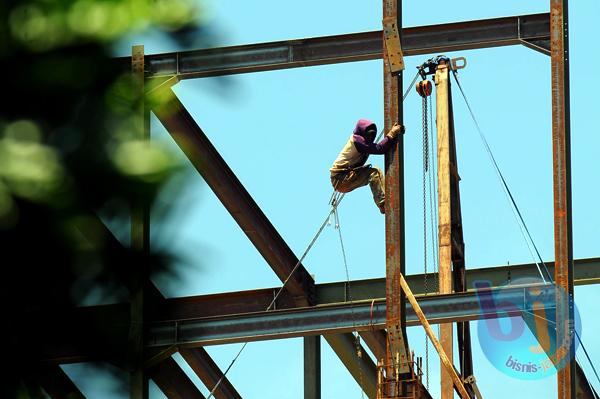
(69, 343)
(587, 271)
(347, 48)
(341, 318)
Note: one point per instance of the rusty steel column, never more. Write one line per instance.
(442, 84)
(561, 166)
(397, 346)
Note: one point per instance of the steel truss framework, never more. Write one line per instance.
(187, 324)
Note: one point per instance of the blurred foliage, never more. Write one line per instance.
(70, 147)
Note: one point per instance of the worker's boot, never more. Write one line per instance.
(381, 207)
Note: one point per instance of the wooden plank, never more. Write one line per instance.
(445, 218)
(445, 360)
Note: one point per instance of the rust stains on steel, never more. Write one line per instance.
(561, 157)
(397, 347)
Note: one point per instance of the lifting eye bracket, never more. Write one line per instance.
(455, 63)
(429, 66)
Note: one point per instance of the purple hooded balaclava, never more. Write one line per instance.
(362, 126)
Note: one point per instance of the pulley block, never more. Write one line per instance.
(424, 88)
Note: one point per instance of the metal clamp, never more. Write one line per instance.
(391, 36)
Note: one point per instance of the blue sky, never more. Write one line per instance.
(280, 131)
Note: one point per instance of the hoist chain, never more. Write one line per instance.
(425, 140)
(425, 169)
(433, 199)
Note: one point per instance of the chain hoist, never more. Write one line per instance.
(424, 88)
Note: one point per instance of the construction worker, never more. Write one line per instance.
(349, 170)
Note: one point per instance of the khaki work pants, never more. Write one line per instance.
(345, 182)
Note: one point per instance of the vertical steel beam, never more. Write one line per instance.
(312, 367)
(140, 239)
(561, 166)
(445, 219)
(397, 346)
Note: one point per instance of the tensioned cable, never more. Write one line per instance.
(587, 355)
(335, 201)
(403, 98)
(505, 186)
(356, 337)
(589, 384)
(576, 335)
(314, 239)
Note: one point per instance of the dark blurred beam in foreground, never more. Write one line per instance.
(57, 383)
